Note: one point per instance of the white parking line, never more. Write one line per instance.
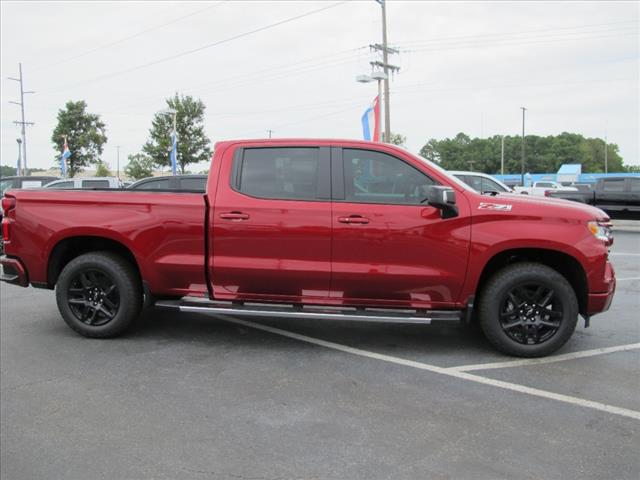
(603, 407)
(625, 279)
(553, 359)
(627, 254)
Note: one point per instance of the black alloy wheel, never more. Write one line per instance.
(530, 314)
(93, 297)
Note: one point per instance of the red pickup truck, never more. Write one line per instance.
(328, 229)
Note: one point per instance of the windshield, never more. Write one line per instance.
(441, 170)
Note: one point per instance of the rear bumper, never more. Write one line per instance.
(13, 272)
(601, 301)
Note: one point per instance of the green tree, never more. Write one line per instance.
(102, 170)
(85, 136)
(193, 144)
(397, 139)
(7, 171)
(139, 166)
(542, 154)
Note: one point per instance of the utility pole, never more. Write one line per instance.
(269, 132)
(22, 123)
(522, 158)
(386, 68)
(19, 169)
(118, 162)
(502, 157)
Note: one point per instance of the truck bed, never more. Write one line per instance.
(165, 230)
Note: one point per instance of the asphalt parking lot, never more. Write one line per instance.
(194, 396)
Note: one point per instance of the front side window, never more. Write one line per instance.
(197, 184)
(634, 184)
(375, 177)
(279, 173)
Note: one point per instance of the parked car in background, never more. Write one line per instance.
(187, 183)
(85, 182)
(543, 187)
(481, 182)
(24, 182)
(612, 194)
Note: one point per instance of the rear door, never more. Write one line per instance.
(612, 195)
(388, 247)
(271, 224)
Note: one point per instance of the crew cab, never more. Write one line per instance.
(331, 229)
(612, 194)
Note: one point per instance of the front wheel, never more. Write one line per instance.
(99, 294)
(528, 310)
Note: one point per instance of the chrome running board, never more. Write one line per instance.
(252, 309)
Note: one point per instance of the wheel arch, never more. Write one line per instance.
(569, 267)
(69, 248)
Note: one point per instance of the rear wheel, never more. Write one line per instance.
(528, 310)
(99, 294)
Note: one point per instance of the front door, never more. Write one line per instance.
(271, 225)
(388, 247)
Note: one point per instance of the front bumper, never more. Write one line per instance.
(601, 301)
(13, 271)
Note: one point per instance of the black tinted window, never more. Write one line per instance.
(160, 184)
(198, 184)
(375, 177)
(613, 185)
(95, 184)
(284, 173)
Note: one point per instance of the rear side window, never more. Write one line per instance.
(545, 185)
(634, 184)
(612, 185)
(375, 177)
(61, 185)
(95, 184)
(162, 184)
(279, 173)
(197, 184)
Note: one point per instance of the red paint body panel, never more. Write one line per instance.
(297, 251)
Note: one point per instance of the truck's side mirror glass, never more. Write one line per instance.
(444, 198)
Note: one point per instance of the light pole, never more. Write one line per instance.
(502, 157)
(19, 169)
(606, 157)
(522, 158)
(385, 61)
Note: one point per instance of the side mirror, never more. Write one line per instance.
(443, 198)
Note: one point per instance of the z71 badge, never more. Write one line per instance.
(494, 206)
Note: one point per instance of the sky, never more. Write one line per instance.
(291, 67)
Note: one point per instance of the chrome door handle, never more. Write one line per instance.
(234, 216)
(354, 219)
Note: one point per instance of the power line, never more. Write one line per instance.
(522, 32)
(201, 48)
(129, 37)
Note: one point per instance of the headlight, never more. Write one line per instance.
(602, 231)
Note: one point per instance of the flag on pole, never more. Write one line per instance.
(63, 158)
(371, 122)
(174, 153)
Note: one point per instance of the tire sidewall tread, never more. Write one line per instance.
(504, 280)
(129, 290)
